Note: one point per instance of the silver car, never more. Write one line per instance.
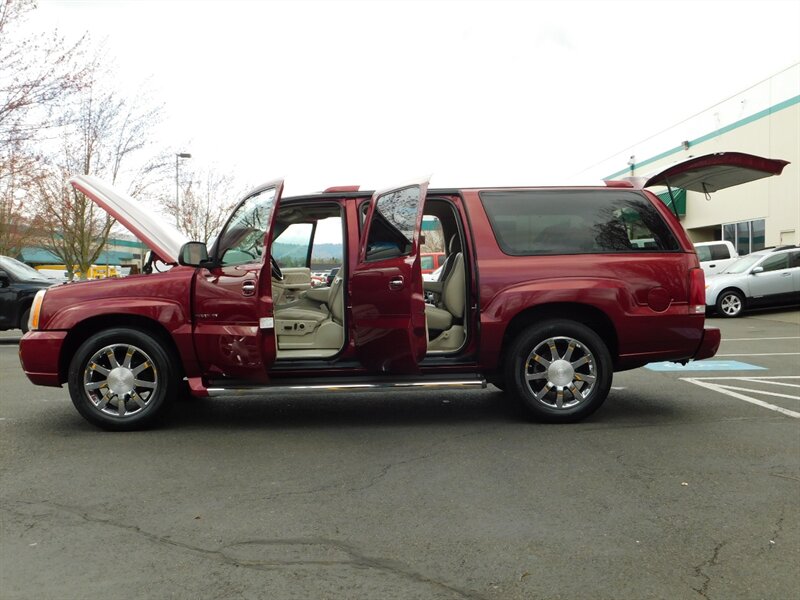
(764, 278)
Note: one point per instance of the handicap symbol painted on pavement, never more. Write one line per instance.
(705, 365)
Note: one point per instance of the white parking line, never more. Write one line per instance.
(794, 337)
(767, 354)
(752, 391)
(762, 380)
(729, 392)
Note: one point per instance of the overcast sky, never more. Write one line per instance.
(475, 93)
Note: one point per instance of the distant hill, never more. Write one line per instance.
(297, 252)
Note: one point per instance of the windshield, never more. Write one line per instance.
(744, 264)
(20, 270)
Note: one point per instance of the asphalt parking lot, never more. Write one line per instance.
(686, 484)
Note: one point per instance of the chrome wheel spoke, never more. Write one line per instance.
(534, 376)
(583, 360)
(541, 360)
(551, 343)
(128, 356)
(576, 393)
(100, 369)
(560, 397)
(112, 360)
(543, 392)
(94, 385)
(104, 400)
(585, 378)
(145, 365)
(144, 384)
(568, 353)
(138, 399)
(121, 406)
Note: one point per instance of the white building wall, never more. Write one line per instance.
(762, 120)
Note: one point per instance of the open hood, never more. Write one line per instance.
(162, 238)
(718, 171)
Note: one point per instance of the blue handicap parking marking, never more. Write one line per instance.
(705, 365)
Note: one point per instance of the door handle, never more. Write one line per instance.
(711, 266)
(249, 288)
(396, 284)
(786, 275)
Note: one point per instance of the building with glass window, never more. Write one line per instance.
(763, 120)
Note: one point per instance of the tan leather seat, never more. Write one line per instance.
(451, 307)
(314, 324)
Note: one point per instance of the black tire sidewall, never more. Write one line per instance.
(533, 336)
(722, 296)
(154, 346)
(23, 321)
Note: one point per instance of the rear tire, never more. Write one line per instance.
(730, 304)
(559, 370)
(122, 379)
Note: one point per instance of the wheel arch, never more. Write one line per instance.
(591, 316)
(81, 332)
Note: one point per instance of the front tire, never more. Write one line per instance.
(560, 371)
(730, 304)
(122, 379)
(23, 322)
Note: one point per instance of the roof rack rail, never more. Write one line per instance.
(784, 247)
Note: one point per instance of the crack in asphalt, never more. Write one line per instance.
(382, 472)
(355, 557)
(698, 570)
(776, 531)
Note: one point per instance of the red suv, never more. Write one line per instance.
(545, 293)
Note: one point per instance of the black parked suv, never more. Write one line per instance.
(18, 285)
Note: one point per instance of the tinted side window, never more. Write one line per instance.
(719, 252)
(794, 259)
(529, 222)
(703, 253)
(776, 263)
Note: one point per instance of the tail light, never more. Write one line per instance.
(697, 292)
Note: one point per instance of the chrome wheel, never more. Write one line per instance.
(730, 304)
(561, 372)
(120, 380)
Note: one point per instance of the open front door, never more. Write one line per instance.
(233, 326)
(387, 299)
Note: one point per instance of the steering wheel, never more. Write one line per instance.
(276, 269)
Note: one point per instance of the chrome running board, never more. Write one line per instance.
(397, 385)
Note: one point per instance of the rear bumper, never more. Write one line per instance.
(38, 353)
(709, 344)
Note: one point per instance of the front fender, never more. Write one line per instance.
(170, 314)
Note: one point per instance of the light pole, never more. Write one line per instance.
(178, 156)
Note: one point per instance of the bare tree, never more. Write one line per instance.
(207, 198)
(21, 175)
(104, 135)
(37, 75)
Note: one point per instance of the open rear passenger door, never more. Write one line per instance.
(387, 299)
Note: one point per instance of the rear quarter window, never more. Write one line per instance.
(532, 222)
(719, 252)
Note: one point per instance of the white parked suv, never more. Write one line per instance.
(715, 256)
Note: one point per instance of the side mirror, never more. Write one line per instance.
(5, 281)
(757, 270)
(193, 254)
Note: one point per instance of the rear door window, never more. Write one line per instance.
(532, 222)
(719, 252)
(703, 253)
